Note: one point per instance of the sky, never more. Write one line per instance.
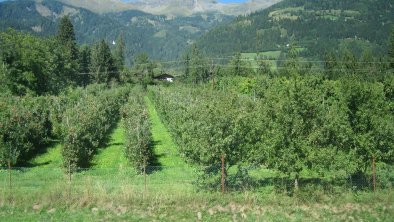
(231, 1)
(221, 1)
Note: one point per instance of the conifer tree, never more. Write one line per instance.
(391, 48)
(66, 37)
(84, 63)
(69, 48)
(102, 65)
(119, 54)
(198, 69)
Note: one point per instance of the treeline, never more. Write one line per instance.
(240, 73)
(43, 66)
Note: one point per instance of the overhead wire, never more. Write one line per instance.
(214, 65)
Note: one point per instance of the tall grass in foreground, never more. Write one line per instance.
(93, 197)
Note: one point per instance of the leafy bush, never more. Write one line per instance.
(86, 124)
(24, 127)
(207, 124)
(137, 131)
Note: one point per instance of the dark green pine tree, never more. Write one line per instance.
(66, 36)
(391, 48)
(84, 63)
(198, 66)
(69, 48)
(102, 64)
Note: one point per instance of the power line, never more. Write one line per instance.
(246, 67)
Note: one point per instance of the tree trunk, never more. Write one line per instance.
(296, 182)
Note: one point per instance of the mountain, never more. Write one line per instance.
(172, 8)
(315, 27)
(162, 38)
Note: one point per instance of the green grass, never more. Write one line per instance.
(164, 147)
(112, 156)
(52, 158)
(171, 168)
(131, 206)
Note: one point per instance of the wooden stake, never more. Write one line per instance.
(69, 182)
(69, 171)
(10, 180)
(374, 172)
(222, 174)
(145, 174)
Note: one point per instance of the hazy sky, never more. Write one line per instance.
(222, 1)
(231, 1)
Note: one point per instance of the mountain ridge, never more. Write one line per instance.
(172, 8)
(315, 27)
(160, 37)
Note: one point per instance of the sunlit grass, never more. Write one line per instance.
(112, 156)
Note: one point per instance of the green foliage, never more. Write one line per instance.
(84, 64)
(206, 124)
(371, 121)
(102, 65)
(24, 128)
(143, 69)
(119, 53)
(239, 67)
(391, 48)
(138, 149)
(66, 41)
(305, 125)
(24, 59)
(86, 124)
(264, 66)
(34, 65)
(66, 37)
(196, 71)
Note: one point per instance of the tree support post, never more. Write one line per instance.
(145, 175)
(10, 180)
(223, 174)
(374, 172)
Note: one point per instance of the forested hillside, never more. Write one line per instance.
(313, 26)
(159, 37)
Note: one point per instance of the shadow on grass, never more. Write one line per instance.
(210, 179)
(25, 161)
(154, 164)
(116, 144)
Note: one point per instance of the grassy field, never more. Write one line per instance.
(112, 191)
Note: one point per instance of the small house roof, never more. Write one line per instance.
(164, 76)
